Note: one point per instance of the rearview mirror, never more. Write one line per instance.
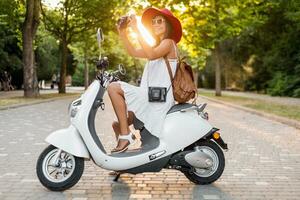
(100, 38)
(122, 69)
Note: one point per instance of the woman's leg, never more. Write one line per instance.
(116, 95)
(116, 128)
(116, 124)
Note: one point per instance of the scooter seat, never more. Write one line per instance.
(138, 125)
(179, 106)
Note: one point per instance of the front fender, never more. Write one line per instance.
(69, 140)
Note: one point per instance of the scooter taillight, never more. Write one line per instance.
(216, 135)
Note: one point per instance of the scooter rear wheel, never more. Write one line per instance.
(61, 175)
(207, 176)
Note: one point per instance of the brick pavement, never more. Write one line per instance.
(262, 163)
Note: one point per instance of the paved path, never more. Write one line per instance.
(263, 161)
(264, 97)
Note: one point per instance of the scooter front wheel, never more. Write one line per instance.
(58, 170)
(203, 176)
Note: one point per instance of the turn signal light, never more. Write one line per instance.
(216, 135)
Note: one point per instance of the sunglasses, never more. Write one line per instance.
(157, 21)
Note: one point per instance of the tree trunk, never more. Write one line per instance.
(217, 70)
(86, 70)
(63, 68)
(226, 78)
(28, 34)
(217, 53)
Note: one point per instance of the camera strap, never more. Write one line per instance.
(168, 67)
(169, 72)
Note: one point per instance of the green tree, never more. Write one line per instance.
(86, 52)
(11, 19)
(47, 54)
(70, 19)
(209, 23)
(275, 47)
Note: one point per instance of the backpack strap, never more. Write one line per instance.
(176, 50)
(169, 69)
(168, 63)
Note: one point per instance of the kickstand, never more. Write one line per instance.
(117, 177)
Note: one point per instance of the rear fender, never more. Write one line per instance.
(218, 140)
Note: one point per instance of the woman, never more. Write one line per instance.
(129, 100)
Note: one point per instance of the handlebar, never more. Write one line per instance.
(106, 77)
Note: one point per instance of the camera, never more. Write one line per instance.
(157, 94)
(123, 22)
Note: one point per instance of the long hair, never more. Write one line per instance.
(167, 34)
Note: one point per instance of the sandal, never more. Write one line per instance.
(137, 146)
(130, 138)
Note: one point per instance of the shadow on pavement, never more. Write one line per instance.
(209, 192)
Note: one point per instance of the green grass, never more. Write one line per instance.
(291, 112)
(23, 100)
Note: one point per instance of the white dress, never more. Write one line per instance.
(152, 114)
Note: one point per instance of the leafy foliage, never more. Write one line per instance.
(11, 18)
(255, 41)
(275, 46)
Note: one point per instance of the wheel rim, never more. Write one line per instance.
(63, 170)
(215, 162)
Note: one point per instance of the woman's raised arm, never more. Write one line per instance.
(156, 52)
(138, 53)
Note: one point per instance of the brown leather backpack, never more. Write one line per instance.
(183, 84)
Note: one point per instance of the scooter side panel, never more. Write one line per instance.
(182, 129)
(69, 140)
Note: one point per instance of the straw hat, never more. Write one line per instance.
(150, 13)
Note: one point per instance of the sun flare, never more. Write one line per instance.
(144, 32)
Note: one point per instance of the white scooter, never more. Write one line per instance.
(188, 142)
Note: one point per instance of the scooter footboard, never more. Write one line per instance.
(69, 140)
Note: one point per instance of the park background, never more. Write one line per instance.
(248, 46)
(247, 49)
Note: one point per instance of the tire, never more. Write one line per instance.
(67, 182)
(204, 180)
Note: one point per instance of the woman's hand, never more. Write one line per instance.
(139, 53)
(121, 31)
(133, 22)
